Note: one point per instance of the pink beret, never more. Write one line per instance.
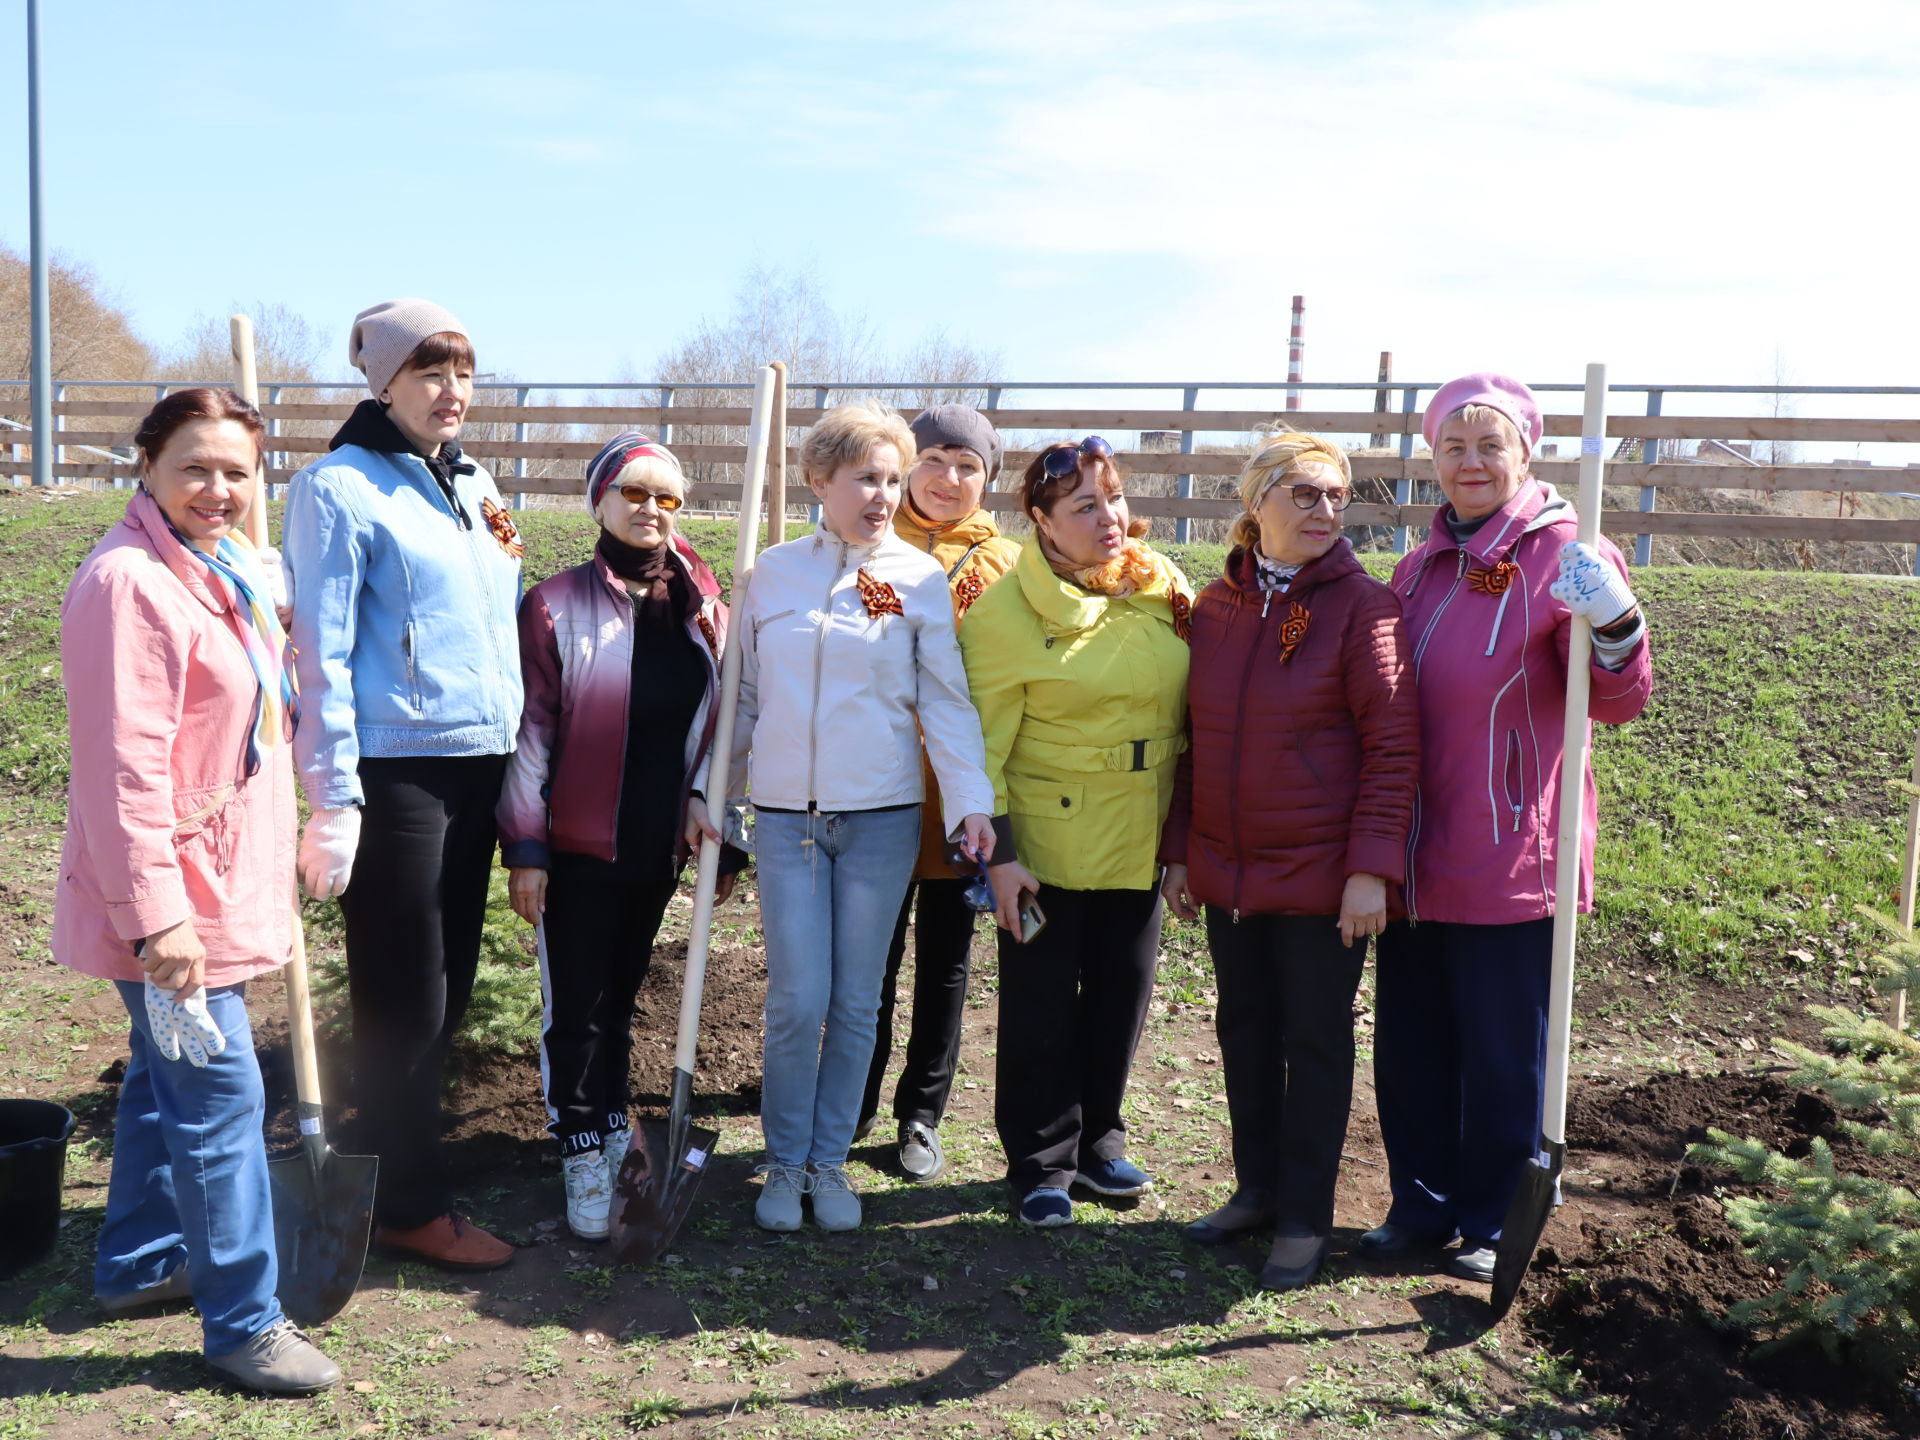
(1509, 397)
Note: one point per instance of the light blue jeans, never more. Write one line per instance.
(830, 891)
(189, 1179)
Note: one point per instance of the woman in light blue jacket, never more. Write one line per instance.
(405, 574)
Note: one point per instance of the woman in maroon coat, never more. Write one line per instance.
(1289, 824)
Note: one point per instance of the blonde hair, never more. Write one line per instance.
(848, 434)
(1273, 459)
(1481, 415)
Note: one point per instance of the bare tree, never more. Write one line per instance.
(92, 336)
(287, 347)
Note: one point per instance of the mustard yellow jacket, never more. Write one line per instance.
(974, 554)
(1083, 701)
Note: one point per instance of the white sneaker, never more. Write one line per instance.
(835, 1206)
(616, 1153)
(588, 1194)
(778, 1207)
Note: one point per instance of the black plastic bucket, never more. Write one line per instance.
(33, 1163)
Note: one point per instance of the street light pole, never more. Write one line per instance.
(42, 341)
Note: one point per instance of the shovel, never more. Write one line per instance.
(322, 1202)
(1539, 1188)
(661, 1174)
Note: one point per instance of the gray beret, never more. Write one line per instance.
(960, 425)
(384, 335)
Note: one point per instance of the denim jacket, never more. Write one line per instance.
(403, 615)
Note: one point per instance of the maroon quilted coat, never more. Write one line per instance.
(1305, 740)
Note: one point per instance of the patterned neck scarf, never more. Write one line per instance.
(237, 575)
(1272, 574)
(1132, 569)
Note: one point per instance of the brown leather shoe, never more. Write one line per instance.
(450, 1241)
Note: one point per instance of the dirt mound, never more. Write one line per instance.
(1636, 1303)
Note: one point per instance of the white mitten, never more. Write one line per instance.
(1591, 586)
(181, 1025)
(327, 851)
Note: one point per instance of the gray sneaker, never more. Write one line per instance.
(778, 1207)
(277, 1361)
(920, 1153)
(174, 1289)
(835, 1206)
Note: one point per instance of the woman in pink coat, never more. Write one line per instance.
(176, 881)
(1461, 986)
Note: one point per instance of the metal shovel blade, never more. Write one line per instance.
(1526, 1218)
(322, 1220)
(655, 1187)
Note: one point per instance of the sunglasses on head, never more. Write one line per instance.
(1307, 495)
(638, 495)
(1063, 460)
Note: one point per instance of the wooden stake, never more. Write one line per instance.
(777, 459)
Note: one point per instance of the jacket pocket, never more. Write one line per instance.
(760, 622)
(1513, 779)
(1045, 799)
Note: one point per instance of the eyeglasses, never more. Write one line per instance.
(1307, 496)
(639, 495)
(1063, 460)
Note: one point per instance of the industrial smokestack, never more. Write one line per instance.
(1296, 342)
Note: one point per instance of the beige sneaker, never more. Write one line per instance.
(277, 1361)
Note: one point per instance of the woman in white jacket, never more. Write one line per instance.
(850, 657)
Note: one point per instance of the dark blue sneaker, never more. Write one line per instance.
(1046, 1207)
(1115, 1177)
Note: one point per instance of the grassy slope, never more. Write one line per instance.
(1743, 816)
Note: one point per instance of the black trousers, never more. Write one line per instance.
(600, 923)
(414, 909)
(942, 960)
(1285, 1024)
(1072, 1003)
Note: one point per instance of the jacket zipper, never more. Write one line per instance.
(413, 677)
(1419, 656)
(819, 660)
(1515, 767)
(1239, 733)
(458, 510)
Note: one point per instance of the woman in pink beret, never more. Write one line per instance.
(1461, 988)
(176, 881)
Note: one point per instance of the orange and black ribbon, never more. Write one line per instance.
(1493, 580)
(501, 524)
(1293, 630)
(1182, 615)
(879, 597)
(707, 632)
(970, 589)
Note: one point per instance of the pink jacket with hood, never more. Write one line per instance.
(163, 823)
(1490, 659)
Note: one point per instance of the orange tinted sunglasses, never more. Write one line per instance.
(637, 494)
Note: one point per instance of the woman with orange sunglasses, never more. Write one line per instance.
(621, 661)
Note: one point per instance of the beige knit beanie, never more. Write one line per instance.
(384, 335)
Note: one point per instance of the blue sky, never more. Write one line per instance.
(1097, 189)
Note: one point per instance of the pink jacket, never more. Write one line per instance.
(1490, 663)
(576, 659)
(162, 823)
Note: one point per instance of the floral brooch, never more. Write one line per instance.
(501, 526)
(879, 597)
(1493, 580)
(1293, 630)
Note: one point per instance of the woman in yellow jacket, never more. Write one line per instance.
(940, 513)
(1077, 662)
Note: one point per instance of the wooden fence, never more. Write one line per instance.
(108, 425)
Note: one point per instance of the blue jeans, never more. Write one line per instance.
(830, 890)
(189, 1179)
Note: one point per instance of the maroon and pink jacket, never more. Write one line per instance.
(1305, 740)
(562, 789)
(1490, 652)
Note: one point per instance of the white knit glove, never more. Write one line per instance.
(181, 1025)
(327, 850)
(275, 571)
(1591, 586)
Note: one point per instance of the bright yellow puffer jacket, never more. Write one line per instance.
(1083, 700)
(974, 554)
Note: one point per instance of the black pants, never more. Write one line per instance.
(1459, 1068)
(1285, 1023)
(600, 924)
(1072, 1002)
(414, 910)
(942, 960)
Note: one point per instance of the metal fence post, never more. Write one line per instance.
(520, 395)
(1649, 454)
(59, 424)
(276, 459)
(1183, 484)
(1403, 486)
(819, 403)
(666, 404)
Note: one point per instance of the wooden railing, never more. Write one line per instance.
(108, 425)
